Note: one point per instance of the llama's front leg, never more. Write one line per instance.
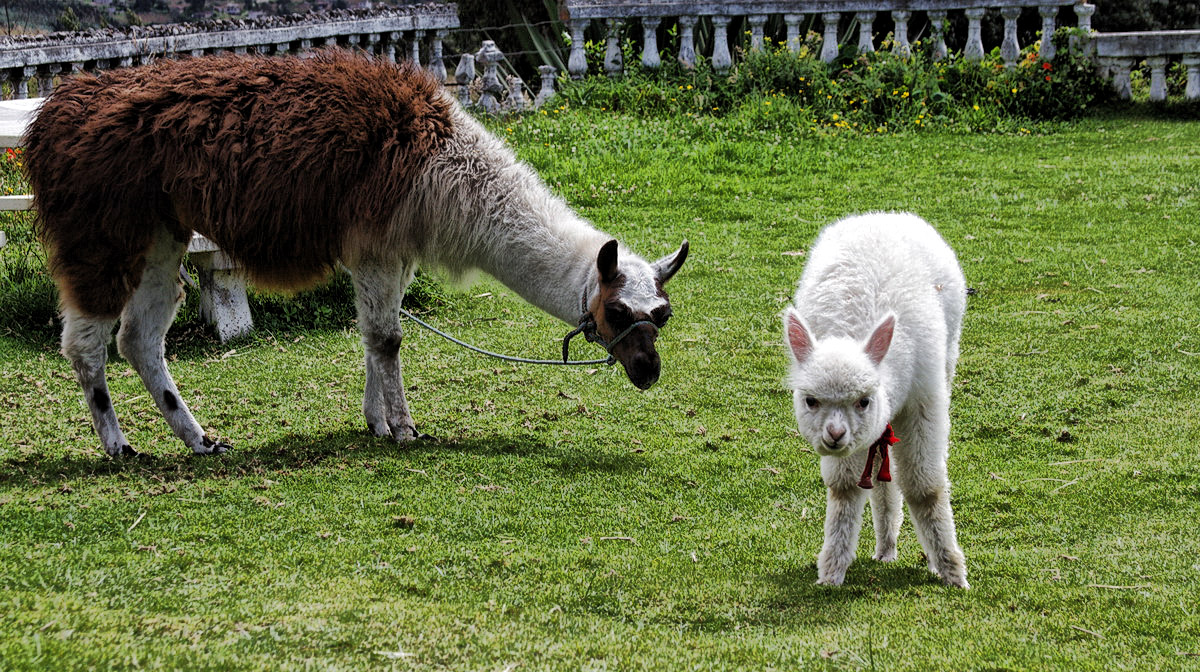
(844, 502)
(887, 512)
(144, 324)
(921, 473)
(85, 344)
(379, 292)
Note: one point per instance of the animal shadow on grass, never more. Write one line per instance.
(298, 452)
(798, 591)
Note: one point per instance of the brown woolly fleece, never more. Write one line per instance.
(274, 159)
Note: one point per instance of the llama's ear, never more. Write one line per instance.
(880, 340)
(798, 338)
(666, 267)
(606, 261)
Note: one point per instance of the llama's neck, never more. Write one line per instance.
(546, 254)
(512, 227)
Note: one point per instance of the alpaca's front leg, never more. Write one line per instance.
(844, 502)
(887, 512)
(379, 291)
(921, 473)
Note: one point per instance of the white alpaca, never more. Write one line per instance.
(873, 337)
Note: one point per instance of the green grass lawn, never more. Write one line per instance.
(565, 520)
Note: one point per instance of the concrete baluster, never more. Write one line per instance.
(829, 44)
(866, 25)
(937, 22)
(46, 75)
(464, 74)
(792, 21)
(1010, 50)
(20, 81)
(577, 61)
(1158, 78)
(1084, 12)
(1120, 67)
(414, 53)
(614, 64)
(389, 48)
(283, 48)
(437, 64)
(900, 44)
(721, 59)
(306, 45)
(758, 23)
(490, 56)
(973, 52)
(650, 57)
(373, 43)
(548, 73)
(687, 41)
(1049, 14)
(515, 101)
(1192, 63)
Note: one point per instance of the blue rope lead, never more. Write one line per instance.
(519, 360)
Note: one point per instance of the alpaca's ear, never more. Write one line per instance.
(798, 338)
(606, 261)
(877, 346)
(666, 267)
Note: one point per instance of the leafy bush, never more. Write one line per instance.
(872, 92)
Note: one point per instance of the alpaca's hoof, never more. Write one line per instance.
(830, 581)
(885, 556)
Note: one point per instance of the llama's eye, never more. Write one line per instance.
(864, 403)
(811, 402)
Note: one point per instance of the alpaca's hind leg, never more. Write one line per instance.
(922, 476)
(144, 324)
(887, 512)
(844, 502)
(379, 291)
(85, 344)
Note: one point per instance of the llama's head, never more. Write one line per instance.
(631, 306)
(836, 386)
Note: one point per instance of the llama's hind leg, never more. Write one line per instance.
(144, 325)
(85, 344)
(921, 472)
(379, 291)
(844, 502)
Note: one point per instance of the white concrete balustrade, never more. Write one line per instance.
(650, 13)
(39, 61)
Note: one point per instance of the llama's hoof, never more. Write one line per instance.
(212, 447)
(829, 581)
(886, 556)
(125, 451)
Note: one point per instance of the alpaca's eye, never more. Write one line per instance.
(864, 402)
(811, 402)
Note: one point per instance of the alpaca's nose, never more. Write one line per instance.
(835, 433)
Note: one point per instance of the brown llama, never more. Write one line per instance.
(292, 166)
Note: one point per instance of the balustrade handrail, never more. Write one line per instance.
(608, 9)
(46, 57)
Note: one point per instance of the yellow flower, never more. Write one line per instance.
(835, 116)
(976, 107)
(689, 87)
(1014, 90)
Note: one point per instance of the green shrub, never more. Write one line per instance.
(870, 92)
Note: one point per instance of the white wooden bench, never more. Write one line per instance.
(222, 288)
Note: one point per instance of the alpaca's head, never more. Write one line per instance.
(836, 386)
(631, 306)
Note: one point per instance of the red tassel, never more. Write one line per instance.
(865, 481)
(885, 468)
